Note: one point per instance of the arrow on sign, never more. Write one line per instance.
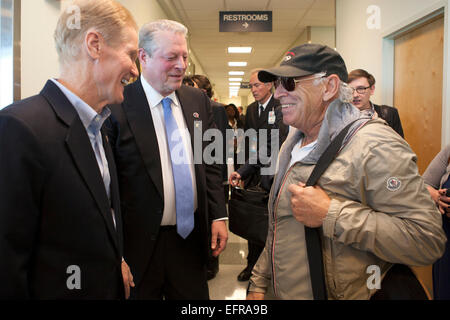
(245, 25)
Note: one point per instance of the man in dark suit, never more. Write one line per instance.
(241, 114)
(60, 223)
(168, 213)
(363, 84)
(264, 113)
(221, 120)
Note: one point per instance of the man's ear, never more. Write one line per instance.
(143, 56)
(331, 88)
(372, 90)
(93, 42)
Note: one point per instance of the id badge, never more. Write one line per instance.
(271, 119)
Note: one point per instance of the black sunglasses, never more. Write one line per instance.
(287, 83)
(290, 83)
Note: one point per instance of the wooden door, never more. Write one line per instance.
(418, 97)
(418, 88)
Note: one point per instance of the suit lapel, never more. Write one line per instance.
(114, 193)
(140, 120)
(84, 157)
(81, 151)
(263, 119)
(188, 112)
(255, 116)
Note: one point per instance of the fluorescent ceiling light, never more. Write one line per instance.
(235, 79)
(239, 49)
(237, 64)
(236, 73)
(235, 84)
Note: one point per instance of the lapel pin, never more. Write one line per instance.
(196, 115)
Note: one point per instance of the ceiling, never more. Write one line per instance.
(290, 20)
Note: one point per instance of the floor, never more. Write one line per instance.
(232, 261)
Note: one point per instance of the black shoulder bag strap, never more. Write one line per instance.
(312, 235)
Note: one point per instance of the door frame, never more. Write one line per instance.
(416, 21)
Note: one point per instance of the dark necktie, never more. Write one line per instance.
(261, 110)
(184, 195)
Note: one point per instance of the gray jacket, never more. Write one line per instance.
(380, 212)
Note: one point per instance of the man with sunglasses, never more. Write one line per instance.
(370, 207)
(263, 114)
(363, 85)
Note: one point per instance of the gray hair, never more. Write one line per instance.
(108, 17)
(256, 71)
(345, 91)
(149, 30)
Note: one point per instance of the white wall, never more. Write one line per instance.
(144, 11)
(364, 45)
(323, 35)
(39, 60)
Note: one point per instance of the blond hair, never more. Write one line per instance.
(108, 17)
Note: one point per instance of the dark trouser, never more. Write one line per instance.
(176, 270)
(441, 268)
(226, 192)
(254, 251)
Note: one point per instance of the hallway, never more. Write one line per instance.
(225, 285)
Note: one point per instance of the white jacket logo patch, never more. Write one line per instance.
(393, 184)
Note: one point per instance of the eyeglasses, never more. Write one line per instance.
(290, 83)
(360, 90)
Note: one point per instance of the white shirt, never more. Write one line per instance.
(154, 99)
(264, 105)
(299, 153)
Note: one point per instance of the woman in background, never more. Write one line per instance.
(438, 182)
(234, 123)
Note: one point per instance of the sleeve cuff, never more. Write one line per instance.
(220, 219)
(329, 223)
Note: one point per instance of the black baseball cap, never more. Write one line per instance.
(305, 60)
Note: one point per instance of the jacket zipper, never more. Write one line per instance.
(275, 229)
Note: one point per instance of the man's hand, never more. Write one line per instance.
(234, 179)
(127, 279)
(309, 204)
(219, 237)
(255, 296)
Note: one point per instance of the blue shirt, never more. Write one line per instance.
(93, 122)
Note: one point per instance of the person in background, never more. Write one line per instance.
(241, 114)
(363, 85)
(187, 81)
(171, 205)
(220, 118)
(60, 219)
(264, 113)
(437, 178)
(234, 123)
(369, 208)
